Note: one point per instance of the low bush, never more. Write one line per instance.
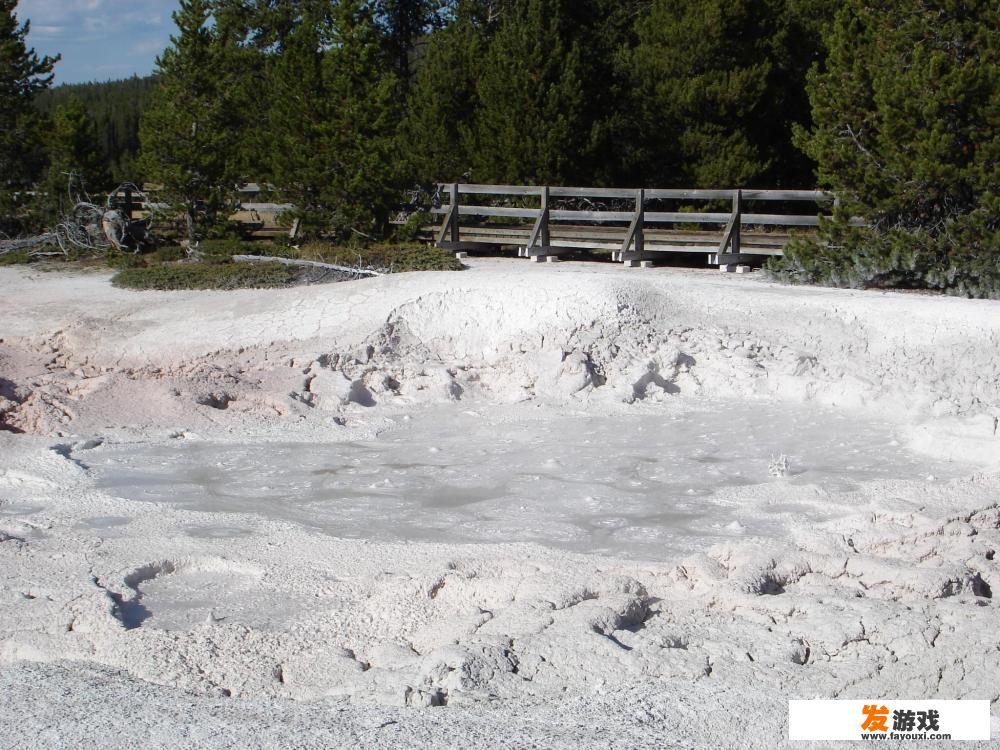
(207, 276)
(16, 258)
(962, 258)
(167, 267)
(227, 248)
(397, 258)
(167, 254)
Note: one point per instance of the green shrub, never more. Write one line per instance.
(122, 260)
(962, 259)
(410, 231)
(127, 259)
(207, 276)
(398, 258)
(226, 248)
(15, 259)
(167, 254)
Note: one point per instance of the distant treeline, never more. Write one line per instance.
(343, 105)
(115, 108)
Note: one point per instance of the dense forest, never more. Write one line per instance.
(115, 108)
(342, 105)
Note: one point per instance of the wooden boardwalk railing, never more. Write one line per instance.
(631, 236)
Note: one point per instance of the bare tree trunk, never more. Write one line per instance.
(189, 218)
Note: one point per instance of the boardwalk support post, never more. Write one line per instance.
(540, 243)
(449, 227)
(635, 237)
(731, 235)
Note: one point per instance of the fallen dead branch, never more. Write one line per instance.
(306, 264)
(88, 227)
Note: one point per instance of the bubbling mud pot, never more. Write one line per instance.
(649, 487)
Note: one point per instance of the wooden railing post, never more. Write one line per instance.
(449, 226)
(737, 220)
(640, 220)
(453, 189)
(635, 237)
(544, 219)
(730, 244)
(540, 232)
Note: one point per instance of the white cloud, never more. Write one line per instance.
(99, 38)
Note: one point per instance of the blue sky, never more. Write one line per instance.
(99, 39)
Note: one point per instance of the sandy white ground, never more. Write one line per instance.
(885, 590)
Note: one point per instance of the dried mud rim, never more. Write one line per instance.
(10, 403)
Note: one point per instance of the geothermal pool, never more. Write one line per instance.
(649, 486)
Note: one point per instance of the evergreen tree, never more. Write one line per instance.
(76, 166)
(704, 74)
(254, 34)
(437, 137)
(606, 29)
(300, 110)
(243, 70)
(333, 122)
(801, 48)
(906, 116)
(266, 24)
(444, 99)
(191, 131)
(530, 125)
(23, 74)
(404, 23)
(484, 14)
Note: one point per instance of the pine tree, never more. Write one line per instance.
(76, 168)
(444, 99)
(333, 122)
(265, 24)
(404, 23)
(191, 131)
(437, 137)
(300, 109)
(801, 47)
(606, 30)
(703, 75)
(252, 35)
(530, 125)
(906, 115)
(23, 74)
